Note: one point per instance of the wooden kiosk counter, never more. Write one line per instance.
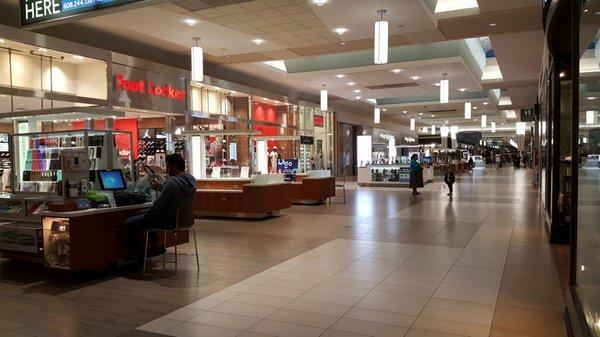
(82, 240)
(262, 196)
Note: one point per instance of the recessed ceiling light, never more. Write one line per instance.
(320, 3)
(597, 13)
(586, 10)
(432, 115)
(475, 119)
(591, 98)
(493, 24)
(383, 110)
(420, 114)
(475, 108)
(404, 111)
(1, 40)
(340, 75)
(343, 43)
(43, 50)
(485, 103)
(357, 91)
(351, 84)
(397, 71)
(78, 57)
(462, 89)
(258, 42)
(357, 97)
(414, 78)
(446, 122)
(190, 22)
(562, 74)
(340, 30)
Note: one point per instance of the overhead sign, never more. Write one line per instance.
(527, 115)
(148, 90)
(39, 11)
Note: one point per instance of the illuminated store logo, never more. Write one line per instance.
(409, 139)
(151, 88)
(37, 11)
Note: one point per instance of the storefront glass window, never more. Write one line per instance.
(588, 229)
(31, 67)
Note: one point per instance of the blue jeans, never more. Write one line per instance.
(131, 232)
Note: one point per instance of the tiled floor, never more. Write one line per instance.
(385, 264)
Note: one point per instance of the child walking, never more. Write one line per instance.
(449, 179)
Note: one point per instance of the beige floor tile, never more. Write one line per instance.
(225, 320)
(204, 304)
(300, 285)
(457, 316)
(380, 317)
(283, 329)
(303, 317)
(457, 328)
(428, 333)
(187, 329)
(183, 314)
(159, 325)
(331, 298)
(270, 290)
(337, 333)
(317, 307)
(369, 328)
(251, 310)
(265, 300)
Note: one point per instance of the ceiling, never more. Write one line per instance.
(424, 42)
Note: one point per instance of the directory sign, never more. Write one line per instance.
(40, 11)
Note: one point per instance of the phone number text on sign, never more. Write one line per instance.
(68, 5)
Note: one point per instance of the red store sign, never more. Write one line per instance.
(151, 88)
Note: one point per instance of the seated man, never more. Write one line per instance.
(179, 187)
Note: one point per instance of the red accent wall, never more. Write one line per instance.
(265, 113)
(121, 124)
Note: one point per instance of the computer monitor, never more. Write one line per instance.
(111, 180)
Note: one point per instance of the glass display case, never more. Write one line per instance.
(57, 242)
(38, 166)
(390, 174)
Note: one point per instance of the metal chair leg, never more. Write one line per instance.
(176, 243)
(344, 190)
(196, 247)
(165, 244)
(145, 254)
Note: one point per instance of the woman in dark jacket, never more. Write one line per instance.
(416, 174)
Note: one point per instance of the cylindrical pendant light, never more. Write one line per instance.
(197, 62)
(493, 127)
(483, 121)
(412, 124)
(444, 131)
(590, 117)
(467, 110)
(380, 54)
(376, 115)
(433, 129)
(444, 90)
(521, 127)
(324, 98)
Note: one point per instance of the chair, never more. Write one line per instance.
(342, 186)
(184, 221)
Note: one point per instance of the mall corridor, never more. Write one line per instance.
(384, 264)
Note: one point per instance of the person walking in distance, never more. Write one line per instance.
(449, 179)
(416, 174)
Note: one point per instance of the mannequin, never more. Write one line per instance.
(274, 156)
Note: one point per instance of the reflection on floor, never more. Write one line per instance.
(385, 264)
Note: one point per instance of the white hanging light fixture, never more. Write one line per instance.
(197, 62)
(444, 89)
(483, 121)
(467, 110)
(444, 131)
(412, 124)
(521, 127)
(324, 98)
(380, 54)
(590, 117)
(376, 115)
(453, 131)
(433, 129)
(493, 127)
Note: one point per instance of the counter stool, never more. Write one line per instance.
(184, 221)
